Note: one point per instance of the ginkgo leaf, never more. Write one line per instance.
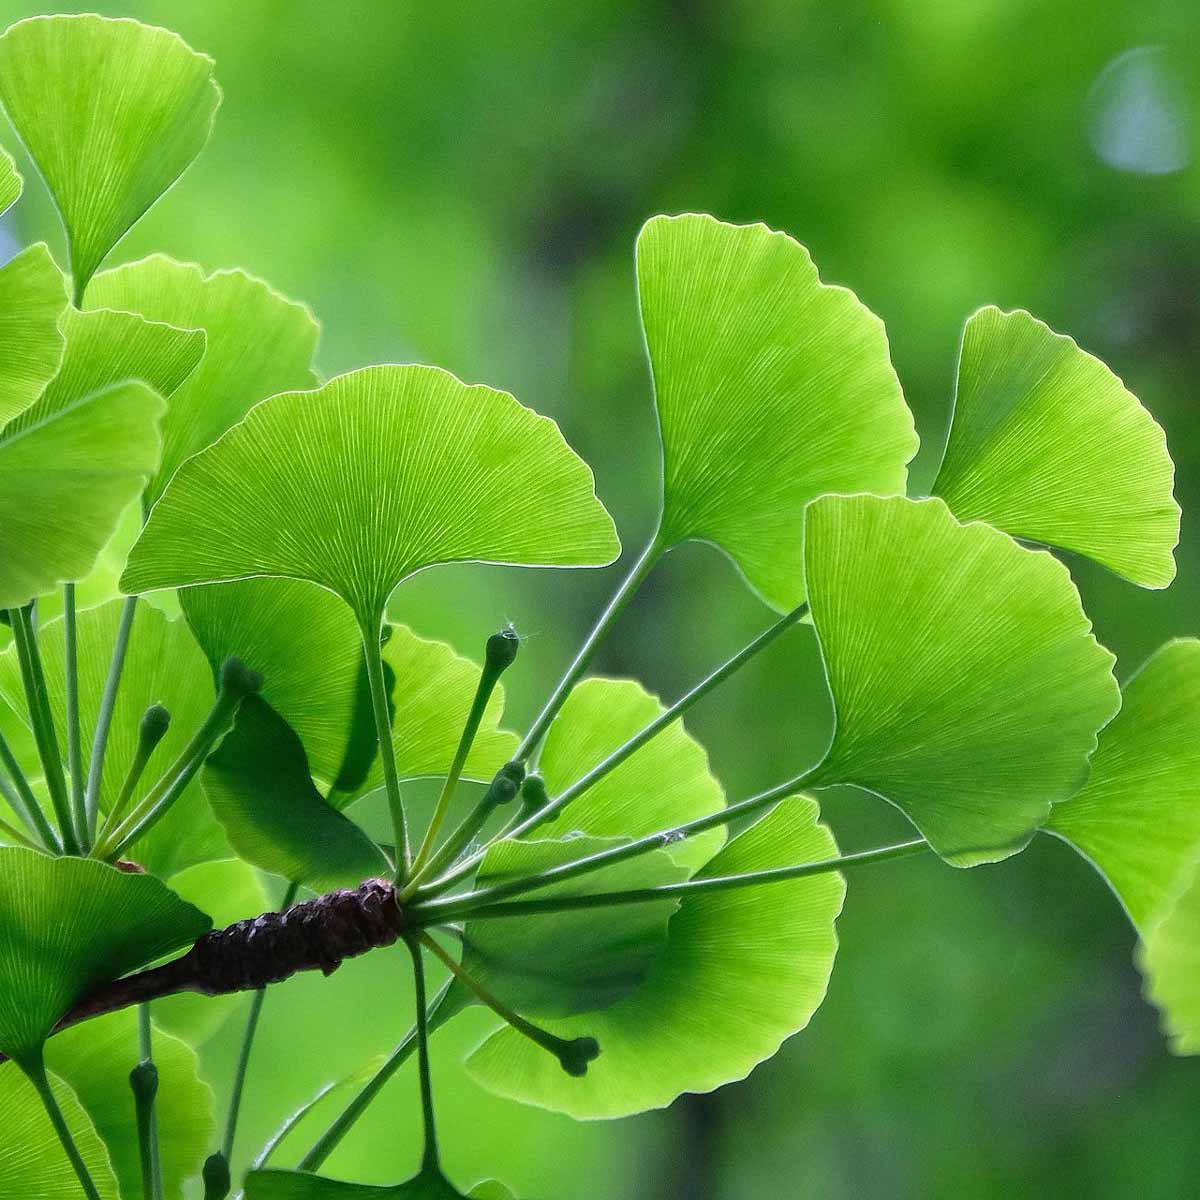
(1048, 445)
(665, 783)
(111, 112)
(559, 964)
(772, 388)
(1137, 819)
(68, 924)
(259, 343)
(11, 183)
(1170, 959)
(742, 971)
(259, 786)
(32, 1161)
(33, 296)
(373, 476)
(95, 1059)
(163, 665)
(64, 482)
(968, 689)
(297, 1185)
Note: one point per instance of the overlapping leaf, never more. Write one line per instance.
(742, 971)
(1049, 445)
(68, 924)
(11, 183)
(429, 1185)
(259, 343)
(1170, 959)
(772, 388)
(33, 296)
(112, 112)
(967, 686)
(373, 476)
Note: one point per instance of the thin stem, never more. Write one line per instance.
(10, 831)
(143, 1080)
(449, 909)
(429, 1160)
(243, 1063)
(436, 1013)
(151, 731)
(691, 887)
(387, 752)
(38, 701)
(37, 1076)
(104, 717)
(621, 597)
(24, 803)
(74, 749)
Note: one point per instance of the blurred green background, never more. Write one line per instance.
(462, 184)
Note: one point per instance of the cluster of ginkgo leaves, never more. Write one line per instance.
(163, 428)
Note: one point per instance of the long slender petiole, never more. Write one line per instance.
(10, 832)
(501, 652)
(104, 716)
(688, 887)
(430, 1159)
(24, 803)
(143, 1080)
(573, 1054)
(36, 1073)
(373, 657)
(74, 749)
(42, 722)
(151, 730)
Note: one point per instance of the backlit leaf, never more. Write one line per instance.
(771, 387)
(742, 971)
(967, 686)
(11, 183)
(68, 924)
(1049, 445)
(111, 112)
(368, 479)
(33, 296)
(1170, 959)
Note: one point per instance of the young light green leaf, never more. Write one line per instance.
(373, 476)
(967, 686)
(741, 972)
(259, 786)
(1048, 445)
(772, 388)
(64, 482)
(33, 296)
(1137, 820)
(32, 1162)
(259, 343)
(163, 665)
(297, 1185)
(665, 783)
(11, 183)
(111, 112)
(68, 924)
(95, 1059)
(1170, 959)
(560, 964)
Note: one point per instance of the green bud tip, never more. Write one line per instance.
(502, 649)
(237, 679)
(533, 792)
(156, 720)
(143, 1079)
(577, 1053)
(506, 783)
(216, 1177)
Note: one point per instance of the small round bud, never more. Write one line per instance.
(502, 649)
(217, 1181)
(237, 679)
(143, 1079)
(577, 1053)
(533, 792)
(506, 783)
(156, 720)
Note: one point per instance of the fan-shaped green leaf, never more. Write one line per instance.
(559, 964)
(967, 686)
(1170, 959)
(111, 111)
(296, 1185)
(64, 482)
(11, 183)
(368, 479)
(33, 296)
(33, 1165)
(1048, 445)
(665, 783)
(259, 786)
(742, 971)
(163, 665)
(95, 1059)
(771, 387)
(1137, 820)
(259, 343)
(68, 924)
